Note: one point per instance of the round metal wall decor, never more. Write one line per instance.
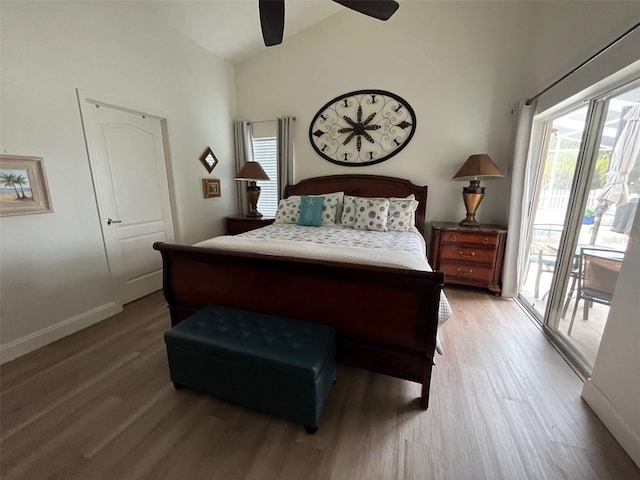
(362, 128)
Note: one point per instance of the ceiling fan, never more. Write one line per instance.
(272, 15)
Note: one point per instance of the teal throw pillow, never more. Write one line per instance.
(310, 211)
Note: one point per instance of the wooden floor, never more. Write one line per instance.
(504, 405)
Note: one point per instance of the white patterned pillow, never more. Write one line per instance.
(348, 216)
(371, 214)
(402, 214)
(288, 210)
(330, 207)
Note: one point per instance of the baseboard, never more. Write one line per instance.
(16, 348)
(626, 436)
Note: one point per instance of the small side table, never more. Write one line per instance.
(468, 255)
(236, 224)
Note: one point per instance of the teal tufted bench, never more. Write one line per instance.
(276, 365)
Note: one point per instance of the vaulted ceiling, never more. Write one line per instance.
(231, 28)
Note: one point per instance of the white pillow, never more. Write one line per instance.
(330, 207)
(348, 216)
(402, 214)
(371, 214)
(289, 208)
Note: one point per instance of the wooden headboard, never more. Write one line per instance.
(364, 186)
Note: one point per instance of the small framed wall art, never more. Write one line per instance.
(211, 187)
(23, 186)
(208, 159)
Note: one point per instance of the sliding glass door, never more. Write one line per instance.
(585, 194)
(561, 140)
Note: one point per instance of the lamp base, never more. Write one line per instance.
(253, 195)
(469, 223)
(472, 196)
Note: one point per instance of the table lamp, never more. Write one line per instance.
(476, 167)
(252, 171)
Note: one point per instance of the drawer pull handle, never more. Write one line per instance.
(453, 238)
(465, 272)
(462, 254)
(485, 240)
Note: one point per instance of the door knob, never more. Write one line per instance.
(109, 221)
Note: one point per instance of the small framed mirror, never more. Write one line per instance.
(208, 159)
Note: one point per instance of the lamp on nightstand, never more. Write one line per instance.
(476, 167)
(252, 171)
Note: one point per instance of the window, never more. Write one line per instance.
(265, 152)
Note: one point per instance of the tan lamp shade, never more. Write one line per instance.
(252, 171)
(476, 167)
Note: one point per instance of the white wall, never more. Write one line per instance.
(614, 389)
(461, 66)
(54, 275)
(567, 33)
(565, 36)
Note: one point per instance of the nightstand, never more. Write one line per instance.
(468, 255)
(239, 223)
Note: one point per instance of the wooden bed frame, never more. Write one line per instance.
(386, 319)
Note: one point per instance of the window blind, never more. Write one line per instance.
(265, 152)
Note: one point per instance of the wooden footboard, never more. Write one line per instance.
(386, 318)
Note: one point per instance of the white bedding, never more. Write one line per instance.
(341, 244)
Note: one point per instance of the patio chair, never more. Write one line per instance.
(598, 272)
(543, 251)
(573, 274)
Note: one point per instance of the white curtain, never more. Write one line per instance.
(286, 153)
(514, 250)
(243, 138)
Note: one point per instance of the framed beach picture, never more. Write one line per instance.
(23, 186)
(211, 187)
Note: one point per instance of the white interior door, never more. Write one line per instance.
(126, 152)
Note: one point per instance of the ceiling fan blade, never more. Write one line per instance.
(272, 21)
(380, 9)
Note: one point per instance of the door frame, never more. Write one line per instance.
(85, 99)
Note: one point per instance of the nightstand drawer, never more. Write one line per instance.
(466, 237)
(466, 272)
(465, 253)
